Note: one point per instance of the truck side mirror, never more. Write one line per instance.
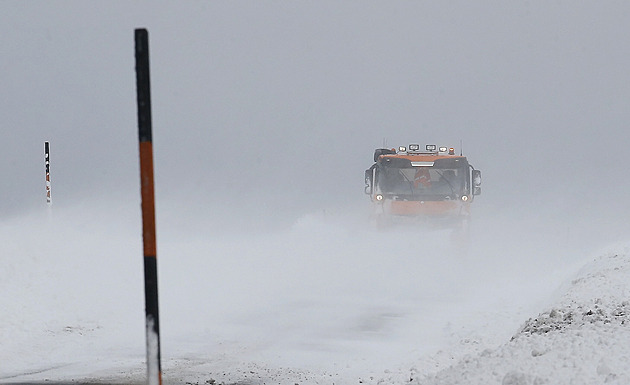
(368, 181)
(476, 182)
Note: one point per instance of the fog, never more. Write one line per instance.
(265, 116)
(280, 106)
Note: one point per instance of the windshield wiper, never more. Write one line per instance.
(408, 181)
(442, 177)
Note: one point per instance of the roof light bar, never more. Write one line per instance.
(431, 147)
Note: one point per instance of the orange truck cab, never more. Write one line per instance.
(433, 183)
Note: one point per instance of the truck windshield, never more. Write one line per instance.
(423, 182)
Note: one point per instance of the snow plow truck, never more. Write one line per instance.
(432, 185)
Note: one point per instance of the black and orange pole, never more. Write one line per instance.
(154, 370)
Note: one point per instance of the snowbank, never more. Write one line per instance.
(584, 338)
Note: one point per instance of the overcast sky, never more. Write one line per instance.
(281, 104)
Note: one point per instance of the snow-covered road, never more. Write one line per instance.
(327, 301)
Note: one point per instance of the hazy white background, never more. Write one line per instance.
(278, 106)
(266, 114)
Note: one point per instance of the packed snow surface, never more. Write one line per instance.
(326, 300)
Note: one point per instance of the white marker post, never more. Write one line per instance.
(47, 159)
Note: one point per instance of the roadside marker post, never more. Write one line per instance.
(154, 370)
(47, 160)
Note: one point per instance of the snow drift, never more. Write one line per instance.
(582, 338)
